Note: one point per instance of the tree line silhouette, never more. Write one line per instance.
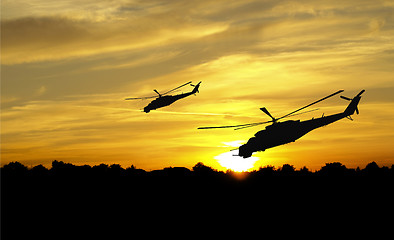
(61, 169)
(70, 199)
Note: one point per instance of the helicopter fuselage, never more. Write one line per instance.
(280, 133)
(166, 100)
(284, 132)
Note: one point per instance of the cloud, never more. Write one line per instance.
(41, 91)
(265, 27)
(44, 38)
(89, 9)
(37, 39)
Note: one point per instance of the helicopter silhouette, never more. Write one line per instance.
(165, 100)
(279, 133)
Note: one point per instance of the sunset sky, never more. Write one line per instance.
(67, 65)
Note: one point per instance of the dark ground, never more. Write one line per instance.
(78, 200)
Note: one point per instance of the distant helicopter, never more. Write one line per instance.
(279, 133)
(164, 99)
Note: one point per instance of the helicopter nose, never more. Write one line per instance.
(244, 151)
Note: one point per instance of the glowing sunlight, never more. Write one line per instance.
(232, 161)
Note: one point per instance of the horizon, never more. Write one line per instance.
(67, 66)
(57, 164)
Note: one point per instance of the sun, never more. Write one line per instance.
(232, 161)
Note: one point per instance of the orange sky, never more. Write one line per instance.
(68, 65)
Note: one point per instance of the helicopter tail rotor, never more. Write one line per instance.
(350, 99)
(195, 90)
(353, 103)
(346, 98)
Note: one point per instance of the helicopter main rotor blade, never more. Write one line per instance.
(236, 126)
(259, 123)
(268, 113)
(252, 125)
(303, 112)
(247, 125)
(157, 92)
(177, 88)
(132, 98)
(142, 98)
(311, 104)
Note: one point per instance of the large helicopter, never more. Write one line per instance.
(164, 100)
(279, 133)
